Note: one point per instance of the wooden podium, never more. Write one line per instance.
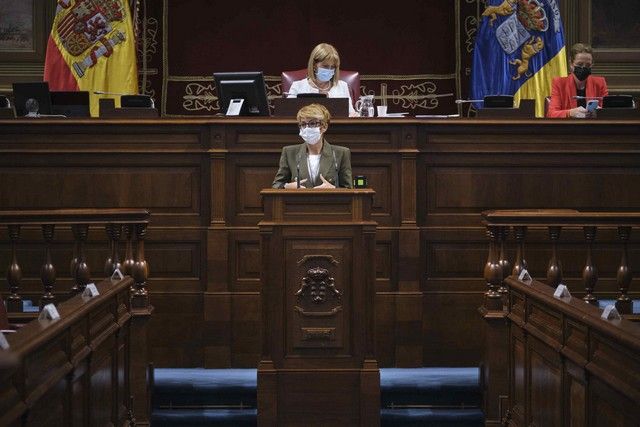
(318, 366)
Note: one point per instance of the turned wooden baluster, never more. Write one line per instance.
(113, 261)
(503, 261)
(624, 305)
(520, 232)
(493, 272)
(48, 271)
(81, 272)
(554, 272)
(590, 273)
(140, 297)
(14, 274)
(127, 264)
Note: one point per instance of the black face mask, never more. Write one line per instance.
(581, 73)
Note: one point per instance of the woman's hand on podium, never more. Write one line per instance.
(325, 183)
(294, 184)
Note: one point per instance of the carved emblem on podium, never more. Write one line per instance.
(316, 284)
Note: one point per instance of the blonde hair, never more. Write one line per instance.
(314, 111)
(580, 48)
(323, 52)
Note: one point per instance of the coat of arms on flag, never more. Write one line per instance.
(519, 49)
(92, 47)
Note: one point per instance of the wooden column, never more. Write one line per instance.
(495, 359)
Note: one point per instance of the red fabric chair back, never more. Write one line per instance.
(352, 78)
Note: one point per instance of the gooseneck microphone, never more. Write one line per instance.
(298, 170)
(335, 164)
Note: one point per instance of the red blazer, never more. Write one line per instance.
(563, 91)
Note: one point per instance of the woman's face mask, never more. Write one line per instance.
(581, 73)
(325, 74)
(311, 135)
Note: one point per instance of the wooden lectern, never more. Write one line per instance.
(318, 366)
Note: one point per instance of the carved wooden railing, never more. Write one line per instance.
(115, 221)
(555, 361)
(500, 223)
(89, 366)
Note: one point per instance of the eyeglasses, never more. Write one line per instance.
(309, 124)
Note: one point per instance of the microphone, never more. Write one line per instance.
(335, 164)
(298, 170)
(466, 101)
(587, 97)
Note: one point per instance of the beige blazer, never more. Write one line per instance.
(294, 158)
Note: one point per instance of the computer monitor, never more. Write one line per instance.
(22, 92)
(70, 103)
(617, 101)
(498, 101)
(248, 86)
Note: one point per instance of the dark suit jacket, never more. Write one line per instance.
(563, 90)
(293, 155)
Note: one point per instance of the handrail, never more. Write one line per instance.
(75, 216)
(548, 217)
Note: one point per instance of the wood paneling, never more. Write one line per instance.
(568, 366)
(201, 179)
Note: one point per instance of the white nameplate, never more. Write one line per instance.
(90, 291)
(562, 292)
(525, 277)
(117, 275)
(49, 312)
(235, 105)
(4, 344)
(610, 312)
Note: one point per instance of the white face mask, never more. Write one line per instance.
(310, 135)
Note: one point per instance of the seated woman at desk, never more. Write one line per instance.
(569, 95)
(315, 163)
(323, 76)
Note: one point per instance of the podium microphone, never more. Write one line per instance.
(335, 164)
(298, 171)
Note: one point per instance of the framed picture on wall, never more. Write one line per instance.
(22, 30)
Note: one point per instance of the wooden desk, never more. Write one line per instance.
(201, 179)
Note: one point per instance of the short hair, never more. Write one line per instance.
(580, 48)
(324, 52)
(315, 111)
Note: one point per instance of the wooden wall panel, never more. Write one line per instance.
(201, 180)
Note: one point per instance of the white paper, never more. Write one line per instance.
(525, 277)
(610, 312)
(90, 291)
(49, 312)
(562, 292)
(4, 344)
(235, 105)
(117, 275)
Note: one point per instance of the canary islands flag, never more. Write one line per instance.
(92, 48)
(519, 49)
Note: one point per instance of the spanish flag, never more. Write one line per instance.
(92, 48)
(519, 49)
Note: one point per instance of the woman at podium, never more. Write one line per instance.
(570, 95)
(323, 76)
(315, 163)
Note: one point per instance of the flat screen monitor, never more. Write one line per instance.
(22, 92)
(498, 101)
(617, 101)
(248, 86)
(71, 103)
